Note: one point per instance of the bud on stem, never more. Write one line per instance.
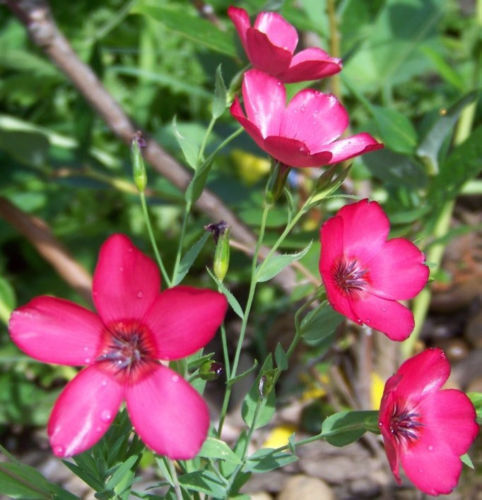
(138, 167)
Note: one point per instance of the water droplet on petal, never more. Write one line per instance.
(430, 448)
(121, 269)
(384, 309)
(87, 360)
(98, 429)
(59, 450)
(175, 378)
(139, 294)
(106, 416)
(130, 249)
(103, 383)
(86, 348)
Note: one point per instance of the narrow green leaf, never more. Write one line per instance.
(476, 398)
(18, 480)
(395, 129)
(432, 142)
(120, 471)
(345, 427)
(181, 21)
(188, 148)
(196, 186)
(204, 481)
(189, 258)
(467, 460)
(280, 357)
(219, 450)
(220, 94)
(276, 263)
(267, 459)
(232, 300)
(319, 324)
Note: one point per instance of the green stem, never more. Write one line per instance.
(185, 216)
(224, 341)
(226, 142)
(247, 310)
(200, 156)
(175, 480)
(147, 220)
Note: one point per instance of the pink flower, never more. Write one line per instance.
(270, 45)
(365, 275)
(304, 133)
(426, 429)
(136, 326)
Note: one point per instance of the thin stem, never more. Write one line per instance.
(175, 480)
(226, 142)
(185, 216)
(200, 156)
(247, 310)
(147, 220)
(224, 341)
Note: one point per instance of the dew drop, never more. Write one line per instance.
(87, 360)
(139, 294)
(103, 383)
(98, 429)
(130, 249)
(86, 349)
(430, 448)
(106, 416)
(121, 269)
(59, 450)
(175, 378)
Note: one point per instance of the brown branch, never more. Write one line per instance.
(36, 16)
(40, 236)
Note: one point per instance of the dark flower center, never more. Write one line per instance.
(350, 276)
(128, 351)
(405, 425)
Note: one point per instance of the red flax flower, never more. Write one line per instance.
(365, 275)
(136, 325)
(270, 45)
(426, 429)
(302, 134)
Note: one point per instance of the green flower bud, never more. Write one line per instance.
(138, 167)
(211, 370)
(221, 255)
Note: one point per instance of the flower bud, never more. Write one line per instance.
(138, 167)
(221, 256)
(211, 370)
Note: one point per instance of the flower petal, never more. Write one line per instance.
(355, 145)
(311, 64)
(314, 118)
(237, 113)
(126, 281)
(240, 19)
(83, 412)
(398, 272)
(452, 418)
(56, 331)
(293, 153)
(264, 101)
(279, 31)
(422, 374)
(264, 55)
(331, 251)
(431, 465)
(366, 228)
(168, 414)
(184, 319)
(387, 316)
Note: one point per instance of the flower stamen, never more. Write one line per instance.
(350, 276)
